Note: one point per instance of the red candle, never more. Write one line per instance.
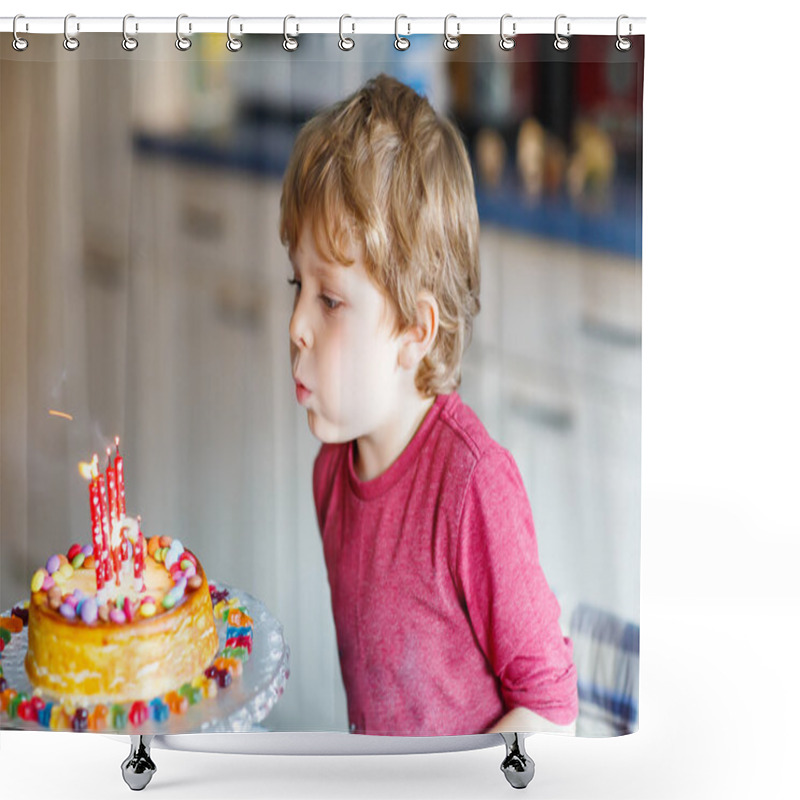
(120, 475)
(138, 554)
(97, 528)
(113, 491)
(110, 554)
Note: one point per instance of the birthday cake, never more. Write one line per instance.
(124, 618)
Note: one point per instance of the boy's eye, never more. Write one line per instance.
(329, 302)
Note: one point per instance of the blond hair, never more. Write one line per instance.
(383, 169)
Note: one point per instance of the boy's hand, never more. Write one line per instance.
(523, 720)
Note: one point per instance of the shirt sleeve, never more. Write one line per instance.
(511, 607)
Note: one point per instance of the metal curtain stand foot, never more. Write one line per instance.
(518, 766)
(138, 768)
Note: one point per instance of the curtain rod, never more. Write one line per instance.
(298, 25)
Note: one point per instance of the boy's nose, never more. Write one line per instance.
(299, 330)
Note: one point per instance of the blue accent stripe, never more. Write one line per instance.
(601, 626)
(622, 707)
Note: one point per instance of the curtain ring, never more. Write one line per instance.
(345, 43)
(451, 42)
(19, 44)
(623, 44)
(561, 42)
(400, 42)
(507, 42)
(233, 44)
(70, 42)
(289, 43)
(129, 43)
(181, 42)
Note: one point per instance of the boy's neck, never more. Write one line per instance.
(376, 452)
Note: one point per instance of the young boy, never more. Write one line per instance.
(444, 619)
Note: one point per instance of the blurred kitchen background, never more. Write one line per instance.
(143, 293)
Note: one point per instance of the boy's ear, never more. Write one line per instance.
(417, 340)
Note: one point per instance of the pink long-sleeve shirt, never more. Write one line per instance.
(444, 618)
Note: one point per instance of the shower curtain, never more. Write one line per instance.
(144, 299)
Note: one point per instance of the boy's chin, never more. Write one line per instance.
(326, 431)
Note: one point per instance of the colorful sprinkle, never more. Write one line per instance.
(53, 563)
(174, 554)
(159, 711)
(43, 715)
(80, 720)
(138, 714)
(11, 624)
(192, 694)
(118, 717)
(13, 705)
(169, 600)
(117, 615)
(73, 551)
(78, 561)
(6, 697)
(147, 609)
(66, 570)
(89, 610)
(67, 611)
(176, 703)
(98, 719)
(224, 678)
(27, 711)
(38, 580)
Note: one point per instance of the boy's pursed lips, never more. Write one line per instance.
(302, 392)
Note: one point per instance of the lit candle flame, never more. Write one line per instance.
(88, 469)
(62, 414)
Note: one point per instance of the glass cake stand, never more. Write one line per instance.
(237, 708)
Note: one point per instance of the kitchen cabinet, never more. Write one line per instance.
(555, 374)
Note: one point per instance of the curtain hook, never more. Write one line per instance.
(19, 44)
(345, 43)
(623, 44)
(129, 43)
(561, 42)
(181, 42)
(233, 44)
(451, 42)
(507, 42)
(70, 42)
(289, 43)
(400, 42)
